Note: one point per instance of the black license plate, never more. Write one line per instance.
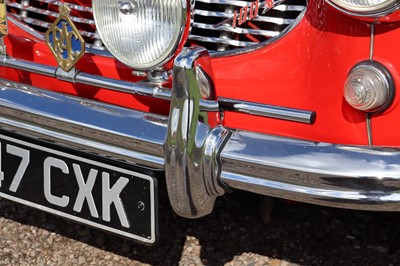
(85, 190)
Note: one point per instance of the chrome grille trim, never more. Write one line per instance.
(223, 40)
(225, 2)
(47, 25)
(284, 7)
(237, 30)
(72, 6)
(25, 8)
(228, 39)
(37, 34)
(260, 45)
(25, 27)
(275, 20)
(49, 13)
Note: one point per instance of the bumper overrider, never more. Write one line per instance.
(202, 159)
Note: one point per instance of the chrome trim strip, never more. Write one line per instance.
(364, 178)
(372, 41)
(369, 128)
(271, 111)
(84, 125)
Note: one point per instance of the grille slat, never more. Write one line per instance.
(40, 14)
(283, 7)
(217, 14)
(222, 41)
(49, 13)
(225, 2)
(46, 25)
(211, 13)
(71, 5)
(237, 30)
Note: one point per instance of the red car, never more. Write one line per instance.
(285, 98)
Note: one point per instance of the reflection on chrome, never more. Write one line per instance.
(319, 173)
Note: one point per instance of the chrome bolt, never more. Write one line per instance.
(127, 7)
(141, 206)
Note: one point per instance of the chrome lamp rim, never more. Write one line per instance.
(382, 12)
(172, 50)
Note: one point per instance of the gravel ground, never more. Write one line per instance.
(233, 234)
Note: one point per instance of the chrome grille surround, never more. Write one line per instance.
(223, 40)
(226, 39)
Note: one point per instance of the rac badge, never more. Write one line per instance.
(64, 40)
(3, 19)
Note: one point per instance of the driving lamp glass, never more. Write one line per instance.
(142, 34)
(368, 88)
(365, 6)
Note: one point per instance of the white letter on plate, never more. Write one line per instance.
(24, 154)
(57, 163)
(85, 190)
(111, 195)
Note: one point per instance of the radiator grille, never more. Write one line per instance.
(39, 14)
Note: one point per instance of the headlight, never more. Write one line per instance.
(366, 7)
(142, 34)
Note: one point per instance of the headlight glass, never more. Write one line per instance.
(365, 6)
(142, 34)
(369, 87)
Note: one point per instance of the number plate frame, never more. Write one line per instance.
(124, 199)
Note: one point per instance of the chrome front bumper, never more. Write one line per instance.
(200, 157)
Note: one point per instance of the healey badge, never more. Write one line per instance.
(3, 19)
(251, 12)
(64, 40)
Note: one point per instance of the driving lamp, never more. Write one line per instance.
(365, 7)
(140, 33)
(369, 87)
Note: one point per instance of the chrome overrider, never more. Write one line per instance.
(202, 159)
(193, 141)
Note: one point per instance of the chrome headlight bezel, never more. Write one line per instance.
(372, 12)
(180, 35)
